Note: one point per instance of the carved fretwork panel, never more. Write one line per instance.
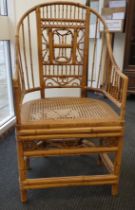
(63, 75)
(45, 46)
(80, 46)
(62, 56)
(63, 45)
(57, 144)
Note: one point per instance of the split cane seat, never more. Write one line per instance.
(67, 46)
(70, 111)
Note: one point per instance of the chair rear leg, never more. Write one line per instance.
(99, 157)
(27, 163)
(117, 165)
(23, 196)
(22, 171)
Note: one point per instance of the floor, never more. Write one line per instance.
(72, 198)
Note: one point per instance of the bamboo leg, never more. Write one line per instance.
(117, 165)
(22, 171)
(115, 189)
(23, 196)
(99, 158)
(83, 93)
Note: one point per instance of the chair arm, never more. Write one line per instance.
(18, 95)
(15, 80)
(115, 88)
(115, 83)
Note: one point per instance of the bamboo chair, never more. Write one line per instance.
(52, 53)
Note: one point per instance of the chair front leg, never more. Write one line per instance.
(117, 165)
(22, 171)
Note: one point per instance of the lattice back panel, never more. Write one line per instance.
(62, 40)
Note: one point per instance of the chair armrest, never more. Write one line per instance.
(115, 83)
(18, 95)
(15, 80)
(115, 88)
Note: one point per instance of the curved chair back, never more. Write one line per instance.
(53, 46)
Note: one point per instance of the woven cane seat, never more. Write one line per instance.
(67, 110)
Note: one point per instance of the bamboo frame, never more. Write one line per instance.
(73, 151)
(69, 181)
(70, 24)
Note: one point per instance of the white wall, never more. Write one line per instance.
(4, 25)
(119, 45)
(21, 6)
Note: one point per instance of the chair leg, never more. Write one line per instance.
(99, 158)
(117, 165)
(23, 196)
(22, 171)
(115, 189)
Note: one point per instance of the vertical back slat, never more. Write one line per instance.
(55, 11)
(47, 16)
(86, 50)
(25, 56)
(39, 40)
(70, 11)
(30, 49)
(100, 63)
(94, 52)
(74, 12)
(58, 11)
(74, 46)
(20, 62)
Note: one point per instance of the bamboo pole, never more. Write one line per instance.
(61, 136)
(107, 162)
(72, 151)
(40, 52)
(69, 181)
(69, 130)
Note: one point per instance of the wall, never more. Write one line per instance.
(21, 6)
(119, 45)
(4, 24)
